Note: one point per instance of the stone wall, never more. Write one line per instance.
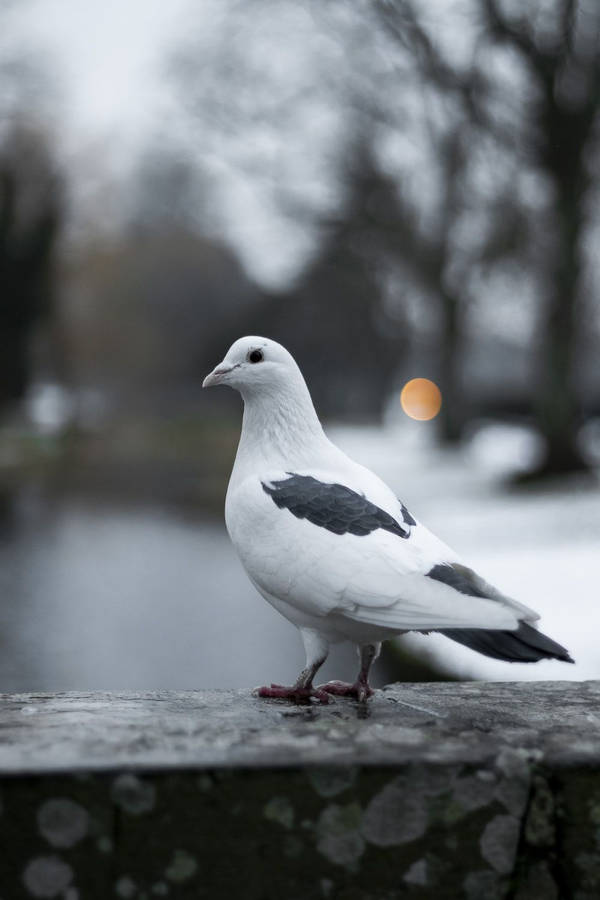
(444, 790)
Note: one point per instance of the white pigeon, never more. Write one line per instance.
(331, 547)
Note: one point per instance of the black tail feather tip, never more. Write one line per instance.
(525, 644)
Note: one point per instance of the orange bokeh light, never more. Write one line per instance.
(421, 399)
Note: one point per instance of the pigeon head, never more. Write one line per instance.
(255, 365)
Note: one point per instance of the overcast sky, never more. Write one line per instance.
(106, 57)
(108, 61)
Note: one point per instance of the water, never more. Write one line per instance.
(101, 598)
(97, 597)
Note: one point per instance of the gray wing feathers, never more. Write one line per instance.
(525, 644)
(465, 580)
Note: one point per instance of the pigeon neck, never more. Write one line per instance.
(279, 426)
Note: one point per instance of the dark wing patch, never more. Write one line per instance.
(408, 519)
(331, 506)
(454, 577)
(525, 644)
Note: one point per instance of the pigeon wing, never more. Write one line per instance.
(341, 554)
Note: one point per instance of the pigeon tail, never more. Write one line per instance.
(526, 644)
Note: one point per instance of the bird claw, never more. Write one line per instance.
(359, 690)
(297, 695)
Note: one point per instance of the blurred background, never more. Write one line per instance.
(396, 191)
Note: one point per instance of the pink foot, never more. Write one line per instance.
(295, 694)
(359, 690)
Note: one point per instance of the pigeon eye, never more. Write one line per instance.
(255, 356)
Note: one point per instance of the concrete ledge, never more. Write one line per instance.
(439, 790)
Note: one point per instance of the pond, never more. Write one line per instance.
(101, 598)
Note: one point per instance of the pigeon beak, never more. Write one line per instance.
(216, 376)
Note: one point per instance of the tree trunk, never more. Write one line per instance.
(558, 411)
(452, 414)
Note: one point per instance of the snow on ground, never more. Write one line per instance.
(542, 548)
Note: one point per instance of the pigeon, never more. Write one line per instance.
(330, 546)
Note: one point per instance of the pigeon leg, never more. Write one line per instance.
(360, 690)
(302, 690)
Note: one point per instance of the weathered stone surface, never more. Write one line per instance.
(443, 790)
(556, 723)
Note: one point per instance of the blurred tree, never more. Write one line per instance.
(30, 215)
(483, 115)
(334, 320)
(146, 304)
(168, 192)
(145, 310)
(425, 242)
(249, 107)
(542, 118)
(381, 76)
(472, 222)
(560, 48)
